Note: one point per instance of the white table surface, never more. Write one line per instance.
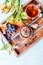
(34, 56)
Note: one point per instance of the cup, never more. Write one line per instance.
(32, 11)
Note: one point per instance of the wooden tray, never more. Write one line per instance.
(30, 41)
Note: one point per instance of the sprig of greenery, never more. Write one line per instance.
(5, 47)
(19, 14)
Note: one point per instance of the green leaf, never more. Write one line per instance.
(5, 47)
(12, 2)
(6, 1)
(24, 16)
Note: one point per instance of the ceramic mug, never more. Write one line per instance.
(32, 11)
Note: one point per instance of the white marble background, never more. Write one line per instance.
(33, 56)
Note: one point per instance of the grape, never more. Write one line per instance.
(10, 28)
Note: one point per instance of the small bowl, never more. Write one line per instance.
(32, 11)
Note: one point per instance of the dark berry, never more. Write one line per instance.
(9, 30)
